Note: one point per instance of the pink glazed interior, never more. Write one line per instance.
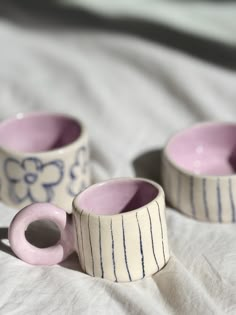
(116, 196)
(38, 132)
(208, 149)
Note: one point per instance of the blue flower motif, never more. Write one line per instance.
(32, 180)
(79, 172)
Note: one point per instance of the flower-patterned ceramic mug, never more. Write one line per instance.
(199, 165)
(118, 229)
(43, 158)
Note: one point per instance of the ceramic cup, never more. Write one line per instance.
(199, 167)
(118, 229)
(43, 158)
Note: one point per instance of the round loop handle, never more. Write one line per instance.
(32, 254)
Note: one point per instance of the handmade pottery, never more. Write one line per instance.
(43, 158)
(199, 167)
(118, 230)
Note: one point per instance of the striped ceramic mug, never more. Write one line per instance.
(198, 166)
(118, 229)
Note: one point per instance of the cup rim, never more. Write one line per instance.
(165, 155)
(160, 195)
(67, 147)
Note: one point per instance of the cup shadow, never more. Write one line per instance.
(72, 263)
(4, 236)
(148, 165)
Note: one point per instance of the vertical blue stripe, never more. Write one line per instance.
(192, 196)
(124, 245)
(81, 235)
(232, 201)
(150, 221)
(141, 246)
(90, 242)
(163, 248)
(205, 198)
(219, 200)
(100, 247)
(179, 183)
(113, 251)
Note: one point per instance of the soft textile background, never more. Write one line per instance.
(210, 19)
(132, 94)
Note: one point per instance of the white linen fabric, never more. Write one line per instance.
(132, 95)
(207, 18)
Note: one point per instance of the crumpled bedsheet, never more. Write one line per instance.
(132, 95)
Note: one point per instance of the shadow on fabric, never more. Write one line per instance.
(50, 13)
(3, 237)
(148, 165)
(71, 262)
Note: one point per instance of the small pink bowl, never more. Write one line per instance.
(199, 165)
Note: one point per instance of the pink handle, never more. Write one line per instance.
(41, 256)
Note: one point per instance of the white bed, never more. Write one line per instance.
(132, 94)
